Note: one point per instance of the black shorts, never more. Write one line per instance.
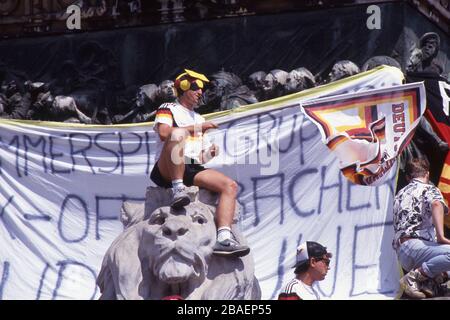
(190, 171)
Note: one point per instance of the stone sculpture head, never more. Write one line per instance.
(183, 241)
(429, 44)
(343, 69)
(274, 83)
(146, 95)
(256, 80)
(299, 79)
(166, 90)
(222, 83)
(274, 79)
(425, 56)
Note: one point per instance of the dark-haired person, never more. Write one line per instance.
(181, 151)
(419, 239)
(312, 265)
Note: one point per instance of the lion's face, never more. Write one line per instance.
(183, 241)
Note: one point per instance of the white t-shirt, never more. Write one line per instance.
(175, 115)
(302, 290)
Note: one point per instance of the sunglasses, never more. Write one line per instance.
(196, 84)
(325, 260)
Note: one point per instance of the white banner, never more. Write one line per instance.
(62, 187)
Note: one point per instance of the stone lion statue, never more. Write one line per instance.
(165, 252)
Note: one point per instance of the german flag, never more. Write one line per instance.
(164, 115)
(367, 130)
(437, 113)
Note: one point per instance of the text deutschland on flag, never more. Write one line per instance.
(368, 130)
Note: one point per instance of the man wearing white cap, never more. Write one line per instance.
(312, 264)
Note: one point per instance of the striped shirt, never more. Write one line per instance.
(303, 291)
(175, 115)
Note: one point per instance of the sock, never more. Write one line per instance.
(223, 233)
(177, 183)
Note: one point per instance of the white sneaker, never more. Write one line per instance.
(412, 284)
(230, 247)
(180, 197)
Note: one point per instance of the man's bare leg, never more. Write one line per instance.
(227, 188)
(171, 165)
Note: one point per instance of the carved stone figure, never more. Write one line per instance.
(256, 83)
(166, 92)
(299, 79)
(376, 61)
(148, 98)
(101, 116)
(343, 69)
(164, 252)
(65, 107)
(42, 100)
(274, 83)
(146, 95)
(226, 91)
(142, 106)
(38, 103)
(17, 102)
(423, 57)
(242, 95)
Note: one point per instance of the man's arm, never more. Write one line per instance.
(437, 211)
(211, 152)
(164, 130)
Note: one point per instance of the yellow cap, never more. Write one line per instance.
(194, 75)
